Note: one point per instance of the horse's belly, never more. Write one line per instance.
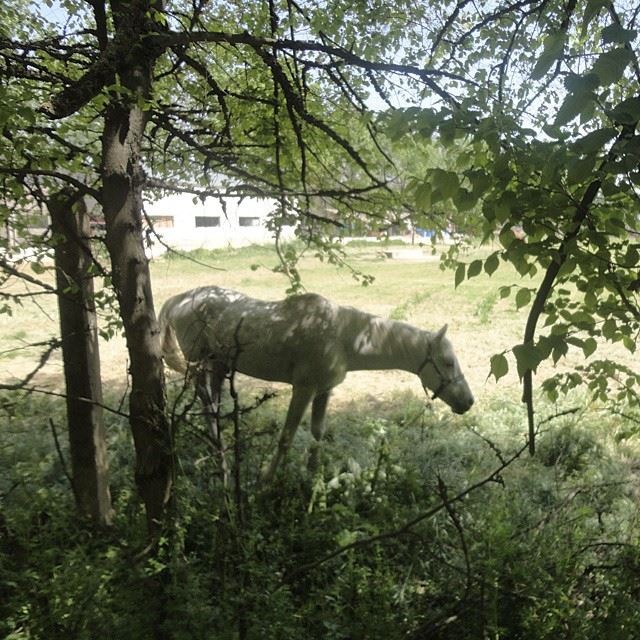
(266, 366)
(320, 370)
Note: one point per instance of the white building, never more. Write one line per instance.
(185, 225)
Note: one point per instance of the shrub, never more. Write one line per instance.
(384, 542)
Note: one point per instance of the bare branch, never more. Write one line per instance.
(63, 464)
(408, 526)
(12, 270)
(82, 188)
(53, 344)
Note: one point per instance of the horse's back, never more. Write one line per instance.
(193, 315)
(292, 340)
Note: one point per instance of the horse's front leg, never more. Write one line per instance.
(300, 399)
(318, 426)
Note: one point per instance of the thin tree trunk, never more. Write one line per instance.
(122, 179)
(81, 357)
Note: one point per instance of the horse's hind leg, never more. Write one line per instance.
(318, 426)
(209, 388)
(300, 399)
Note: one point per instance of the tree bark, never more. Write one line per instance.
(122, 179)
(81, 357)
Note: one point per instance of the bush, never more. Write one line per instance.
(382, 543)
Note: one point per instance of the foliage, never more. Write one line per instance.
(546, 142)
(546, 548)
(527, 118)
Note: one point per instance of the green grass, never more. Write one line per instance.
(545, 549)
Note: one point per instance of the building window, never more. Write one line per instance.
(249, 222)
(207, 221)
(161, 222)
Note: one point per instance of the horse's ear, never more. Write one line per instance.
(440, 334)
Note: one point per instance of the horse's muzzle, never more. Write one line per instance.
(464, 408)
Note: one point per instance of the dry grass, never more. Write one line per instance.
(417, 291)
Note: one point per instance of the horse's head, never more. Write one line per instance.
(440, 372)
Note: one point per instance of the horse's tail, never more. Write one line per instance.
(171, 351)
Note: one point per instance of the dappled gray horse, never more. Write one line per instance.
(304, 340)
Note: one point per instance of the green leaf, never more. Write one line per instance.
(595, 140)
(480, 181)
(592, 9)
(465, 200)
(527, 358)
(610, 65)
(346, 537)
(474, 268)
(629, 343)
(627, 112)
(580, 169)
(27, 113)
(632, 256)
(447, 182)
(397, 124)
(553, 48)
(36, 267)
(544, 346)
(426, 122)
(590, 300)
(581, 83)
(560, 348)
(609, 329)
(423, 196)
(459, 276)
(574, 104)
(631, 147)
(589, 346)
(523, 298)
(499, 366)
(617, 33)
(504, 292)
(491, 263)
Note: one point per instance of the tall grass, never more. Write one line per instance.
(386, 541)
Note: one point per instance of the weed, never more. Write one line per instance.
(404, 310)
(379, 545)
(486, 306)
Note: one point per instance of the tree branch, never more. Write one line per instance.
(543, 292)
(82, 188)
(53, 344)
(408, 526)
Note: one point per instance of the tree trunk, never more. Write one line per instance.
(122, 179)
(81, 357)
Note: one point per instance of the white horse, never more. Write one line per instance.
(304, 340)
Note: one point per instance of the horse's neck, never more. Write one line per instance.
(371, 342)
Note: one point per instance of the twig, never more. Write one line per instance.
(14, 485)
(442, 492)
(63, 463)
(57, 394)
(560, 414)
(9, 268)
(54, 343)
(408, 526)
(492, 445)
(173, 250)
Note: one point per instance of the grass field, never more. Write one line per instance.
(545, 547)
(414, 290)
